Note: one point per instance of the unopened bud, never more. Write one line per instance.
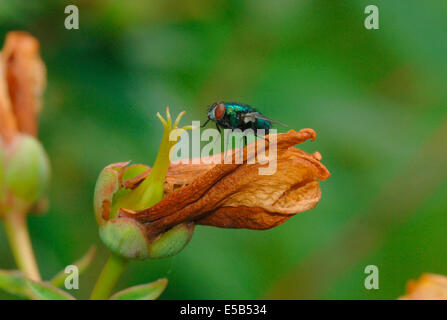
(137, 187)
(24, 173)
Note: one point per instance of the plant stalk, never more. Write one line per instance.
(19, 240)
(110, 274)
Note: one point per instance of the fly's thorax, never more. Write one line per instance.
(238, 107)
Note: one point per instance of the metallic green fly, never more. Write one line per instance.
(233, 115)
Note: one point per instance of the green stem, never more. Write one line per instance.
(19, 240)
(113, 269)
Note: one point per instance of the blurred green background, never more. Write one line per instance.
(376, 98)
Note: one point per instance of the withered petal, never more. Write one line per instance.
(26, 78)
(243, 217)
(8, 127)
(235, 195)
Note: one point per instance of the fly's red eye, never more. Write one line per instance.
(219, 112)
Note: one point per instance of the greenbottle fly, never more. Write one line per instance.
(233, 115)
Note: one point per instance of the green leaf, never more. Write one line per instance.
(82, 264)
(45, 291)
(13, 281)
(150, 291)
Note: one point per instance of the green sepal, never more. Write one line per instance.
(172, 241)
(106, 186)
(125, 237)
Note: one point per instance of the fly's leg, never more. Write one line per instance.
(206, 122)
(244, 142)
(220, 133)
(227, 142)
(266, 133)
(218, 128)
(258, 137)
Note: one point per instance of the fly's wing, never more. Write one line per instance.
(251, 116)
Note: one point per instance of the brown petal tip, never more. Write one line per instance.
(317, 156)
(310, 132)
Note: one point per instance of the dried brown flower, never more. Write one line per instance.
(235, 195)
(428, 287)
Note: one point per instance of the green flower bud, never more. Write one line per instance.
(125, 238)
(24, 174)
(137, 187)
